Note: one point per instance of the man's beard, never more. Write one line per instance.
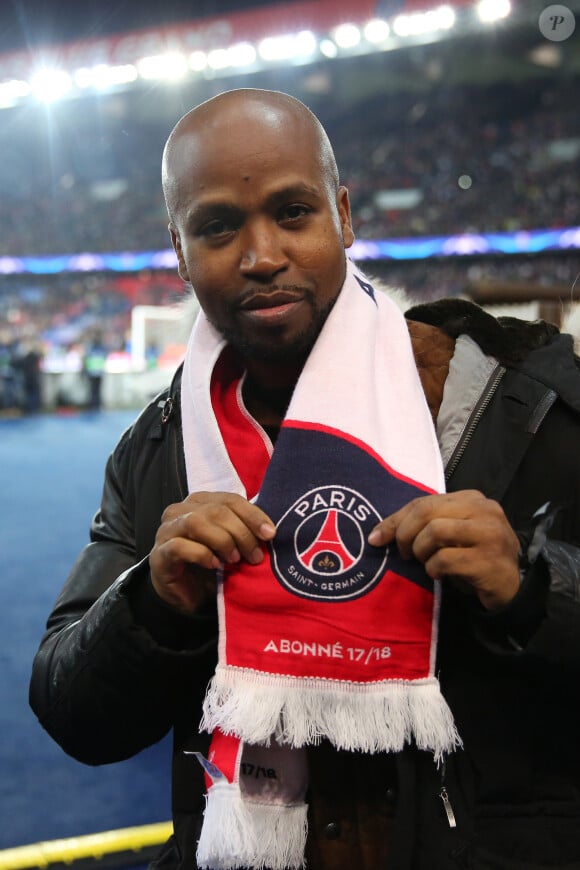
(271, 350)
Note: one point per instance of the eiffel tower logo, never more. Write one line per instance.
(328, 554)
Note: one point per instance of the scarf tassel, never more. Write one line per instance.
(367, 718)
(241, 833)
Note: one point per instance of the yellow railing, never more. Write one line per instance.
(96, 846)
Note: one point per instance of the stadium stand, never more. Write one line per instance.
(95, 186)
(518, 144)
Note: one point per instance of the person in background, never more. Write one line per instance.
(29, 364)
(94, 365)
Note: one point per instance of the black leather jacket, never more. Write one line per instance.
(117, 669)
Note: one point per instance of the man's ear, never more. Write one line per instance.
(343, 206)
(176, 242)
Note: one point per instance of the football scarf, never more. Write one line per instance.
(328, 637)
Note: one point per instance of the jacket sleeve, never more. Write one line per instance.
(544, 618)
(115, 663)
(539, 490)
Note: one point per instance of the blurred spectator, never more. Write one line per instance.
(29, 365)
(94, 364)
(9, 380)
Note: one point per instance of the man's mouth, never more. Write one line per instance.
(271, 307)
(274, 299)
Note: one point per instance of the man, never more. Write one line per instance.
(260, 225)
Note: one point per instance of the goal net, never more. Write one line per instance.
(159, 334)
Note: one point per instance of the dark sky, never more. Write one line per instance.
(31, 23)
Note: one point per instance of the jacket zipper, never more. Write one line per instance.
(448, 808)
(541, 410)
(487, 395)
(445, 798)
(476, 415)
(166, 409)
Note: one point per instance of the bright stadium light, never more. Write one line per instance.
(493, 10)
(328, 48)
(403, 25)
(171, 65)
(242, 54)
(376, 30)
(198, 61)
(306, 43)
(115, 75)
(276, 48)
(420, 23)
(289, 47)
(445, 17)
(218, 58)
(12, 91)
(84, 77)
(49, 85)
(103, 76)
(347, 36)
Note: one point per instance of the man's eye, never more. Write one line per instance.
(295, 211)
(215, 228)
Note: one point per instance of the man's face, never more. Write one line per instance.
(260, 234)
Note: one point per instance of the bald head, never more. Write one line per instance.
(256, 209)
(230, 117)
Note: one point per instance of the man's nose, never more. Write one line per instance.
(263, 254)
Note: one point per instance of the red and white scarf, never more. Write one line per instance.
(328, 637)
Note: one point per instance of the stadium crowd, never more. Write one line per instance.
(471, 159)
(460, 159)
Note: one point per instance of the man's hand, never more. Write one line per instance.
(199, 534)
(462, 536)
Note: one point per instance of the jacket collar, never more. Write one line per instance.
(534, 348)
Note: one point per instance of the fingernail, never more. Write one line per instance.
(234, 555)
(256, 556)
(267, 531)
(216, 563)
(374, 537)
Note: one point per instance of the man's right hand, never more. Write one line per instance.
(196, 537)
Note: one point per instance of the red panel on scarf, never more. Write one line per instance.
(245, 441)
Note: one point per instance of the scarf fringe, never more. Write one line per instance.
(376, 717)
(239, 833)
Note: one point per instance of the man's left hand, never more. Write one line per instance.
(461, 536)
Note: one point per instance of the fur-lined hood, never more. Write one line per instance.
(534, 347)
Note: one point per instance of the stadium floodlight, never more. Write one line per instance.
(171, 65)
(328, 48)
(49, 85)
(198, 61)
(103, 76)
(12, 91)
(306, 44)
(276, 48)
(445, 17)
(294, 46)
(376, 30)
(420, 23)
(346, 35)
(218, 58)
(242, 54)
(493, 10)
(239, 55)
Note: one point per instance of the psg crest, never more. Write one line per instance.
(320, 549)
